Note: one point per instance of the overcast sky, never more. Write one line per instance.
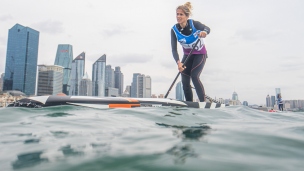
(254, 46)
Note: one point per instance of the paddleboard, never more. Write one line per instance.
(108, 102)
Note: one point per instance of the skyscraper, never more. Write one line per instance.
(118, 80)
(278, 91)
(148, 86)
(273, 101)
(85, 86)
(179, 91)
(1, 82)
(235, 96)
(77, 72)
(110, 81)
(98, 76)
(134, 85)
(268, 102)
(49, 79)
(21, 59)
(64, 58)
(141, 84)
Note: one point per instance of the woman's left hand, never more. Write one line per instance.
(202, 34)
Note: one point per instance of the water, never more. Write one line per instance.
(70, 138)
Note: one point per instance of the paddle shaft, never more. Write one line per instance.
(183, 66)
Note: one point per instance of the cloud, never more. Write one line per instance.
(5, 17)
(114, 31)
(256, 34)
(125, 59)
(49, 26)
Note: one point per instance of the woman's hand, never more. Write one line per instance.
(180, 66)
(202, 34)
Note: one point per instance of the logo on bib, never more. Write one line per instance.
(182, 41)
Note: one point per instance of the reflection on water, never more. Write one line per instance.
(181, 153)
(28, 160)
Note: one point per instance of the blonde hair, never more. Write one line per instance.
(187, 8)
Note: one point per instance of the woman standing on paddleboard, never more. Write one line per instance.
(187, 32)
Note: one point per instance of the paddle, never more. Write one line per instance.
(183, 66)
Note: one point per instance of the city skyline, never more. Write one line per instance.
(245, 43)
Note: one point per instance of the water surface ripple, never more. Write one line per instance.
(70, 138)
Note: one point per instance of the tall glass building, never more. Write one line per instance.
(49, 80)
(133, 92)
(179, 92)
(64, 58)
(119, 78)
(110, 81)
(278, 91)
(21, 59)
(98, 77)
(268, 101)
(77, 72)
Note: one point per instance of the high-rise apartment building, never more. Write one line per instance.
(143, 86)
(119, 78)
(85, 88)
(77, 73)
(64, 58)
(148, 87)
(98, 76)
(109, 80)
(49, 80)
(134, 85)
(179, 92)
(21, 59)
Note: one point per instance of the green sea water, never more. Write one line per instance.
(69, 138)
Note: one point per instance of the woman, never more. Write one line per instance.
(280, 102)
(187, 32)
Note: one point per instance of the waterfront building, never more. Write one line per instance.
(134, 85)
(119, 78)
(111, 92)
(273, 101)
(148, 86)
(21, 59)
(77, 72)
(98, 76)
(1, 81)
(64, 58)
(50, 79)
(127, 91)
(85, 88)
(109, 80)
(179, 92)
(277, 91)
(268, 102)
(143, 86)
(235, 96)
(245, 103)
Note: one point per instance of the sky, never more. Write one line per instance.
(253, 47)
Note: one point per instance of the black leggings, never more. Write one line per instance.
(281, 107)
(194, 67)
